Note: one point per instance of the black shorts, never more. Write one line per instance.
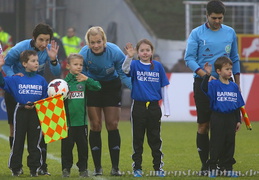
(10, 104)
(109, 95)
(202, 102)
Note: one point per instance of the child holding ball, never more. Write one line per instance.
(76, 116)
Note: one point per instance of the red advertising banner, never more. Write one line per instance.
(182, 105)
(248, 46)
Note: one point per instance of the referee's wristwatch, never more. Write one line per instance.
(54, 62)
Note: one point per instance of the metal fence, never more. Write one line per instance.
(242, 16)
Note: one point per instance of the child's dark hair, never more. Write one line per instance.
(215, 6)
(221, 61)
(42, 28)
(146, 41)
(24, 56)
(74, 56)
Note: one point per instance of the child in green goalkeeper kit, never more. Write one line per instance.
(76, 116)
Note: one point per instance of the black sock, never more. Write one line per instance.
(11, 141)
(114, 142)
(202, 142)
(96, 147)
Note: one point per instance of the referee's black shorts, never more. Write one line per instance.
(202, 102)
(109, 95)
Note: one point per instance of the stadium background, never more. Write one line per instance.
(164, 22)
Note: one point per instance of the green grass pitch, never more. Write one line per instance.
(179, 148)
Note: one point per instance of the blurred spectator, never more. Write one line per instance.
(5, 40)
(180, 66)
(56, 35)
(71, 42)
(156, 57)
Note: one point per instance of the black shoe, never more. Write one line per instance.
(98, 172)
(83, 173)
(34, 174)
(204, 171)
(17, 173)
(44, 172)
(65, 173)
(221, 171)
(115, 172)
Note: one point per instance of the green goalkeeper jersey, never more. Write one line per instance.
(76, 102)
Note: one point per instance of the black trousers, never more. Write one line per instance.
(222, 140)
(78, 135)
(10, 106)
(146, 118)
(26, 122)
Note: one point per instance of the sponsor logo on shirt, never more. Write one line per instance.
(30, 89)
(227, 96)
(148, 76)
(76, 95)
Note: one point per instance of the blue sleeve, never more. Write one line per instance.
(6, 83)
(55, 69)
(234, 55)
(191, 52)
(45, 89)
(118, 66)
(164, 79)
(11, 58)
(82, 52)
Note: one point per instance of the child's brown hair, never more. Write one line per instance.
(74, 56)
(221, 61)
(146, 41)
(24, 56)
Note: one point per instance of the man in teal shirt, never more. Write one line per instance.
(205, 44)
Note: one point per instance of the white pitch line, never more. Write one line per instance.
(52, 157)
